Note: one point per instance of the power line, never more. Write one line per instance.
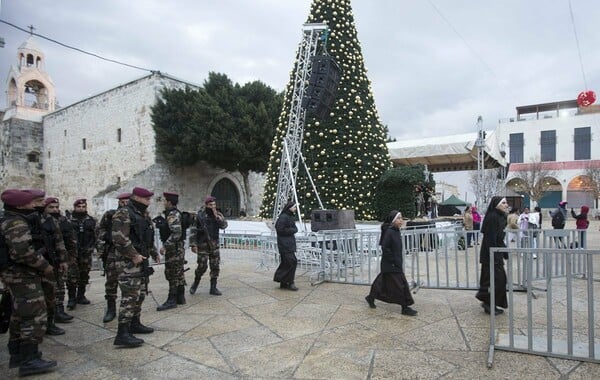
(577, 42)
(74, 48)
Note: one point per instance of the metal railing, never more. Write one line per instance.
(565, 325)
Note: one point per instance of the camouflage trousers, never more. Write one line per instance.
(28, 318)
(206, 259)
(49, 289)
(112, 277)
(132, 294)
(174, 259)
(79, 272)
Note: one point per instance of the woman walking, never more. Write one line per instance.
(390, 285)
(286, 244)
(492, 229)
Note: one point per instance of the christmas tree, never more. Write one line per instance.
(345, 152)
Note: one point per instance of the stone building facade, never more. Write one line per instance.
(102, 145)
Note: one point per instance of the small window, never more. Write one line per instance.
(48, 154)
(84, 145)
(33, 157)
(515, 145)
(65, 133)
(119, 135)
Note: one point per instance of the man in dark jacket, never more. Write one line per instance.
(286, 244)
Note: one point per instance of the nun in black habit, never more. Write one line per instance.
(492, 229)
(285, 226)
(390, 285)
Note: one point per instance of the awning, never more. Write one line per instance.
(447, 153)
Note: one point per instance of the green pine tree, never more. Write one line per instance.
(346, 153)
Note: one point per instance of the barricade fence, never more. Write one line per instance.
(565, 324)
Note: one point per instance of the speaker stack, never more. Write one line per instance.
(322, 86)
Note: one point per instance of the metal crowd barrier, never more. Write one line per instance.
(565, 325)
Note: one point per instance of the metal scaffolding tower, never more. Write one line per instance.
(480, 145)
(292, 141)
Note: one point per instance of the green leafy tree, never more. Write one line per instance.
(346, 152)
(223, 124)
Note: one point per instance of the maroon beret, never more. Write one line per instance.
(124, 196)
(50, 200)
(209, 199)
(141, 192)
(36, 193)
(16, 198)
(170, 196)
(79, 202)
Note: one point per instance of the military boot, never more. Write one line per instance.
(124, 337)
(60, 316)
(51, 328)
(194, 286)
(171, 302)
(111, 310)
(213, 287)
(181, 295)
(15, 353)
(32, 363)
(72, 302)
(136, 326)
(81, 296)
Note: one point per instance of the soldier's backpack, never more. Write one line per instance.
(558, 219)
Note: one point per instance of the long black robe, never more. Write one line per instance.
(286, 244)
(493, 236)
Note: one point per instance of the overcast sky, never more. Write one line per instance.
(435, 65)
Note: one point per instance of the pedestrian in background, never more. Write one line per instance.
(285, 226)
(468, 224)
(492, 229)
(582, 223)
(391, 285)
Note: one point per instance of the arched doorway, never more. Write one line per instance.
(228, 197)
(579, 192)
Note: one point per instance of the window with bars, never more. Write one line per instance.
(583, 143)
(548, 146)
(515, 146)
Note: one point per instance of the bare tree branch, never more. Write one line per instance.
(534, 180)
(591, 181)
(493, 184)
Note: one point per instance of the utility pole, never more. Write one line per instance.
(480, 145)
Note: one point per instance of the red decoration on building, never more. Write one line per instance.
(586, 98)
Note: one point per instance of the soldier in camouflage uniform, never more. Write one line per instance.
(107, 249)
(204, 241)
(52, 207)
(133, 237)
(79, 274)
(172, 236)
(47, 237)
(21, 269)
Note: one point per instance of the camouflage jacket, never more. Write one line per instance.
(23, 258)
(104, 231)
(206, 226)
(69, 238)
(60, 252)
(125, 238)
(173, 217)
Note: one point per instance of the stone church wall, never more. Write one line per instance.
(20, 154)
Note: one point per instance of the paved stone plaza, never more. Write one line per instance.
(327, 331)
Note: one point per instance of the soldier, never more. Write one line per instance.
(204, 241)
(47, 238)
(21, 269)
(172, 235)
(52, 207)
(107, 249)
(133, 237)
(79, 274)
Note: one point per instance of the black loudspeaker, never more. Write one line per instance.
(332, 220)
(322, 86)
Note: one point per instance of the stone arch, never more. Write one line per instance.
(579, 191)
(12, 92)
(553, 193)
(36, 94)
(516, 184)
(227, 190)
